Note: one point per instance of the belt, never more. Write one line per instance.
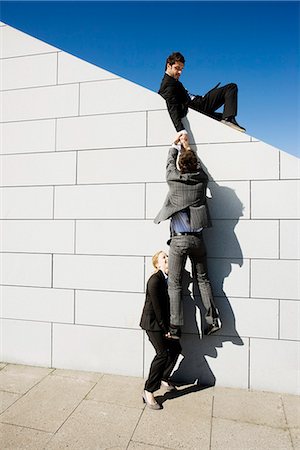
(187, 233)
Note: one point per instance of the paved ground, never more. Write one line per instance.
(51, 409)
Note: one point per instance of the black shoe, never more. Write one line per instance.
(231, 122)
(215, 326)
(174, 332)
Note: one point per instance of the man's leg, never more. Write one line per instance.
(226, 95)
(176, 263)
(198, 257)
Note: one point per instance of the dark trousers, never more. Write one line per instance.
(214, 99)
(167, 352)
(193, 247)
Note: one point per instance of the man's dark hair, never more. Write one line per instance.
(187, 162)
(173, 58)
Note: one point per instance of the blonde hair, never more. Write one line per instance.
(155, 259)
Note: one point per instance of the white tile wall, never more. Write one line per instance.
(275, 279)
(289, 166)
(28, 71)
(201, 128)
(92, 132)
(18, 43)
(39, 103)
(31, 136)
(38, 169)
(26, 342)
(109, 350)
(140, 163)
(94, 202)
(122, 177)
(278, 199)
(109, 309)
(277, 374)
(101, 97)
(38, 236)
(108, 273)
(155, 197)
(23, 269)
(252, 315)
(290, 320)
(241, 161)
(229, 200)
(38, 304)
(73, 70)
(228, 362)
(245, 239)
(229, 276)
(130, 237)
(290, 239)
(26, 203)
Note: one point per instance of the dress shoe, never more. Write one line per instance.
(231, 122)
(174, 332)
(215, 326)
(155, 405)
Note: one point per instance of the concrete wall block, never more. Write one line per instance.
(130, 237)
(26, 203)
(155, 196)
(107, 273)
(251, 161)
(74, 70)
(39, 103)
(18, 43)
(90, 132)
(108, 350)
(39, 304)
(28, 71)
(222, 356)
(229, 276)
(275, 199)
(31, 136)
(109, 309)
(100, 202)
(202, 129)
(141, 165)
(120, 95)
(26, 342)
(21, 269)
(251, 317)
(243, 239)
(39, 236)
(277, 374)
(275, 279)
(290, 320)
(289, 239)
(39, 169)
(229, 200)
(210, 360)
(289, 166)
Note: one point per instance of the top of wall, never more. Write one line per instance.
(32, 70)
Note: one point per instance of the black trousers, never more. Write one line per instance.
(214, 99)
(167, 352)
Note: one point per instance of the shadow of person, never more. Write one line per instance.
(224, 255)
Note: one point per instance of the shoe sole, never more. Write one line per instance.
(231, 125)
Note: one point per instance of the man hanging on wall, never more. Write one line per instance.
(178, 99)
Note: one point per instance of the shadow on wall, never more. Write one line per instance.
(222, 242)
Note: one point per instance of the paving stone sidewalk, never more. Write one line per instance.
(57, 409)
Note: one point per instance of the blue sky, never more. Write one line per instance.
(255, 44)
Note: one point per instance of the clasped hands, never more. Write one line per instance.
(183, 138)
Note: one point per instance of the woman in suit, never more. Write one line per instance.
(155, 321)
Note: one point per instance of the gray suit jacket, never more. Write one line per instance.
(185, 191)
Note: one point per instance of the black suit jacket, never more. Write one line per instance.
(156, 311)
(177, 99)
